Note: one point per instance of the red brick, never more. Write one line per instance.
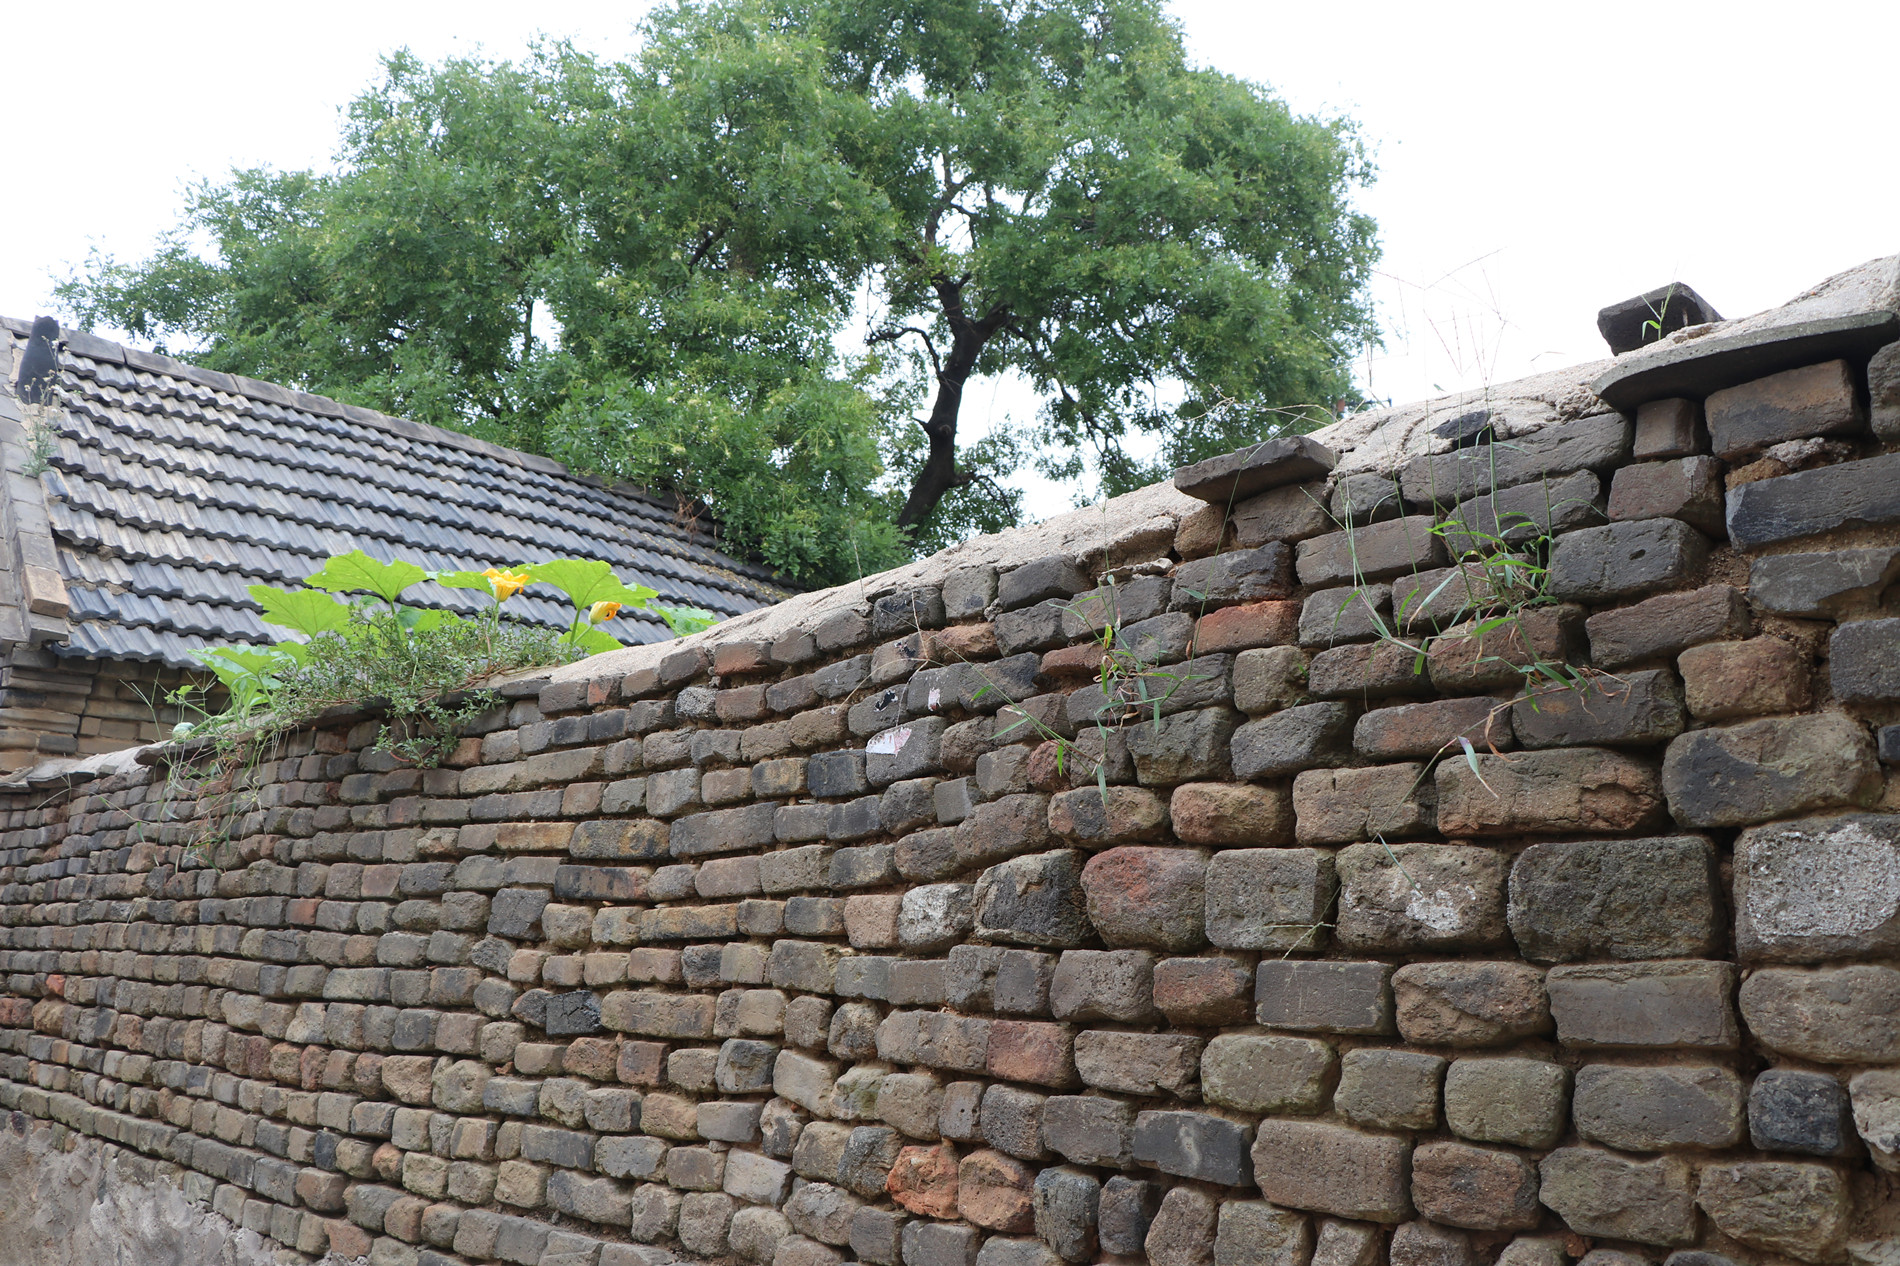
(924, 1180)
(1245, 627)
(1037, 1052)
(993, 1191)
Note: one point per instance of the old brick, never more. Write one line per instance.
(1372, 670)
(1253, 470)
(1737, 775)
(1114, 985)
(1291, 740)
(1828, 584)
(1324, 997)
(1229, 814)
(1689, 489)
(1793, 1111)
(1031, 1051)
(1472, 656)
(1628, 899)
(1875, 1095)
(1247, 627)
(1658, 1109)
(996, 1192)
(1089, 1129)
(1839, 1015)
(1669, 428)
(1185, 747)
(1128, 1210)
(1066, 1202)
(1591, 443)
(1794, 404)
(1269, 899)
(1252, 1073)
(1011, 1120)
(1340, 806)
(1140, 895)
(1474, 1187)
(1238, 576)
(1420, 896)
(1798, 1208)
(1268, 680)
(1137, 1063)
(1193, 1145)
(1332, 617)
(1683, 1003)
(1184, 1228)
(1574, 789)
(1864, 661)
(1432, 729)
(1810, 502)
(1517, 515)
(1818, 888)
(1470, 1004)
(1124, 815)
(1332, 1169)
(1633, 708)
(1378, 551)
(1622, 560)
(1599, 1193)
(1003, 828)
(923, 1180)
(1203, 992)
(1389, 1090)
(1523, 1102)
(1034, 900)
(1723, 680)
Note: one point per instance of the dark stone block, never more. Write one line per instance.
(1444, 479)
(573, 1014)
(1291, 459)
(1888, 737)
(599, 883)
(1366, 498)
(1292, 740)
(1625, 899)
(1194, 1145)
(1127, 1210)
(1791, 1111)
(1525, 512)
(833, 775)
(1809, 502)
(1689, 489)
(1045, 578)
(1794, 404)
(1864, 661)
(1652, 316)
(1378, 551)
(896, 614)
(1638, 707)
(1036, 628)
(1248, 575)
(1666, 625)
(1822, 585)
(1034, 900)
(516, 912)
(1669, 428)
(1625, 559)
(532, 1007)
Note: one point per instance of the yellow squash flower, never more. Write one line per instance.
(506, 584)
(601, 612)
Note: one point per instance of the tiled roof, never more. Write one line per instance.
(170, 489)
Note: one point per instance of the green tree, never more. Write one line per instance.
(951, 190)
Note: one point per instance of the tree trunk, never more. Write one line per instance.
(939, 474)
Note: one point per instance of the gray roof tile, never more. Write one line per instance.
(172, 489)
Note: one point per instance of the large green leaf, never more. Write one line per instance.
(357, 572)
(587, 581)
(460, 580)
(685, 620)
(304, 610)
(595, 641)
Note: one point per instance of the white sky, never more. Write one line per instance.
(1536, 161)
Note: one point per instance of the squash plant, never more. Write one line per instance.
(357, 639)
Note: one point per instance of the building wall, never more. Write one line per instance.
(807, 949)
(52, 707)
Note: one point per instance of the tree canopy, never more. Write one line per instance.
(761, 262)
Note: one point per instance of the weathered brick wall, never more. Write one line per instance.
(809, 949)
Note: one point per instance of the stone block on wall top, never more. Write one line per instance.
(1794, 404)
(1625, 560)
(1247, 472)
(1807, 503)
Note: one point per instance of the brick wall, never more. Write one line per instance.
(816, 948)
(52, 707)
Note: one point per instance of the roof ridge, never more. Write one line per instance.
(92, 347)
